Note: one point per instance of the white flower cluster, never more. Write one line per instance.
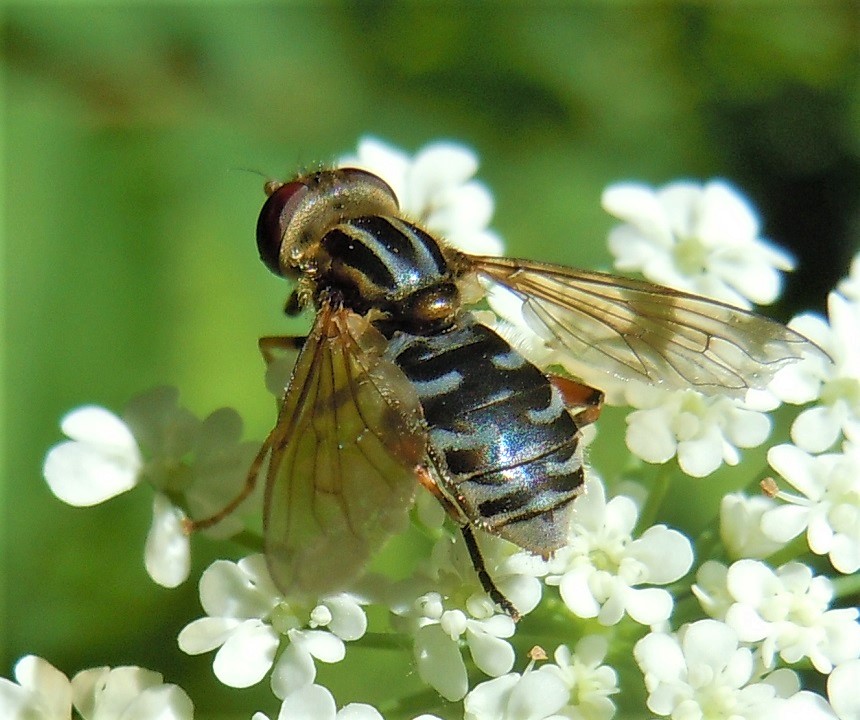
(154, 442)
(445, 610)
(435, 188)
(702, 671)
(599, 571)
(44, 693)
(612, 573)
(249, 621)
(577, 685)
(785, 611)
(702, 239)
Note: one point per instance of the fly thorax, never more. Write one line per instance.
(387, 264)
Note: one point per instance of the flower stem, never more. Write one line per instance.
(657, 494)
(410, 705)
(846, 585)
(792, 551)
(385, 641)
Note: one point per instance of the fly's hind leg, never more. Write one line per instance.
(586, 400)
(487, 582)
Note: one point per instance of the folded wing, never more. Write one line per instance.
(341, 475)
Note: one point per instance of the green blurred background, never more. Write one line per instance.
(129, 134)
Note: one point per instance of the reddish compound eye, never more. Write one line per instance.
(274, 217)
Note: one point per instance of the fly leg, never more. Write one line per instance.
(272, 344)
(253, 475)
(586, 400)
(490, 587)
(269, 349)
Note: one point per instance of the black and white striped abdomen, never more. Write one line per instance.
(504, 446)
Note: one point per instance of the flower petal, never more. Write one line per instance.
(440, 663)
(492, 655)
(842, 687)
(295, 669)
(577, 594)
(39, 677)
(666, 553)
(167, 553)
(246, 655)
(348, 621)
(311, 702)
(101, 461)
(164, 702)
(648, 606)
(320, 644)
(816, 429)
(205, 634)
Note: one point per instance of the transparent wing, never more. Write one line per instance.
(635, 330)
(341, 475)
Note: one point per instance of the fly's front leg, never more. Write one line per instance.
(271, 344)
(487, 582)
(276, 352)
(586, 400)
(271, 348)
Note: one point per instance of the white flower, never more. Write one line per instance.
(842, 693)
(844, 703)
(435, 189)
(534, 695)
(702, 431)
(577, 686)
(601, 568)
(437, 635)
(787, 611)
(700, 238)
(44, 693)
(128, 692)
(711, 590)
(41, 693)
(457, 611)
(589, 681)
(829, 505)
(248, 619)
(835, 386)
(741, 526)
(314, 702)
(100, 460)
(702, 673)
(842, 686)
(107, 455)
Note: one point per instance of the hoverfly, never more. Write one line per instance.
(398, 384)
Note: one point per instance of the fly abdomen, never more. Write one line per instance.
(504, 447)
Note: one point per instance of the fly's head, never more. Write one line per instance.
(298, 214)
